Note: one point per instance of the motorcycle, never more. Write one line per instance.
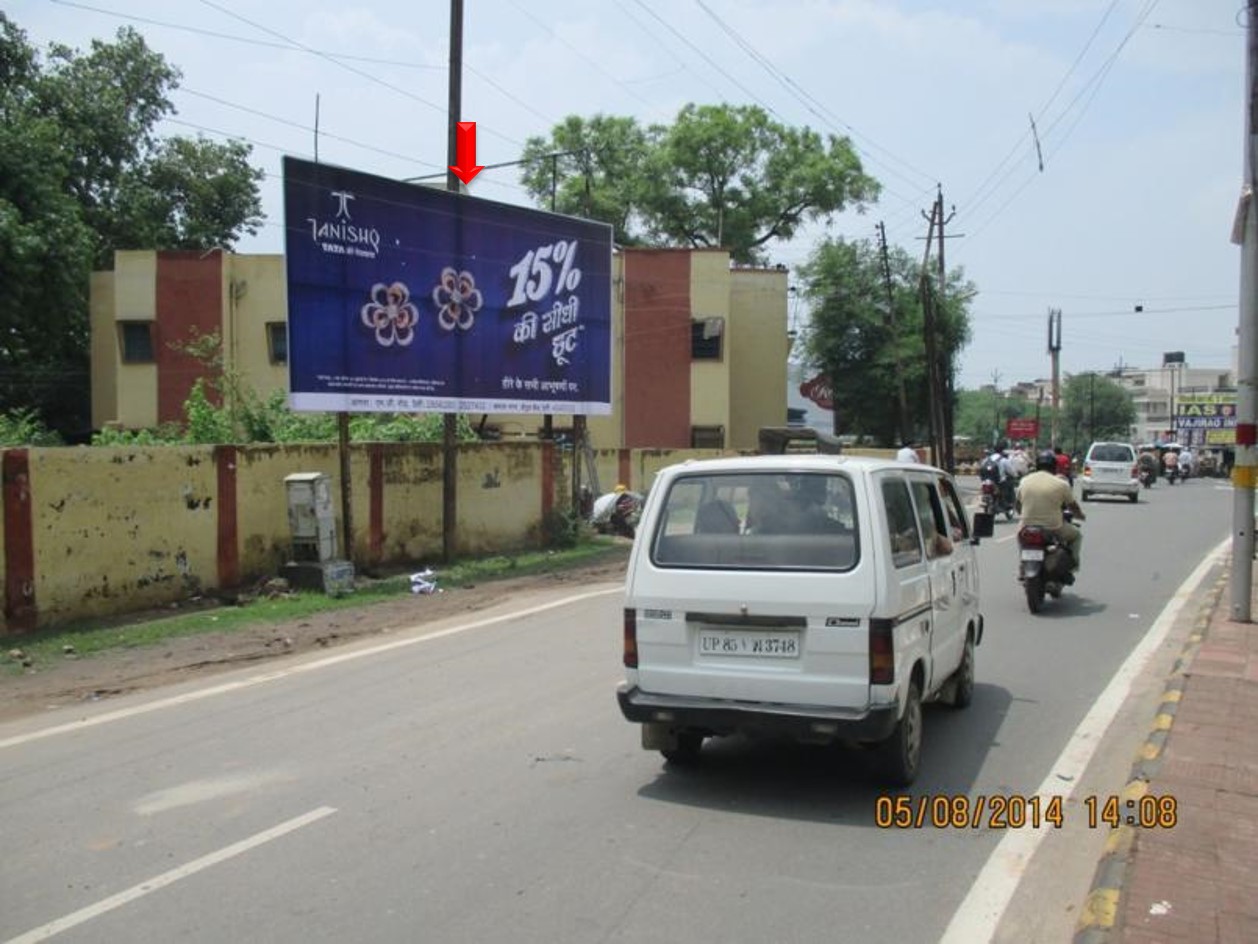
(617, 513)
(1043, 565)
(1148, 477)
(1172, 475)
(995, 500)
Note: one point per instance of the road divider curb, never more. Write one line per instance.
(1099, 914)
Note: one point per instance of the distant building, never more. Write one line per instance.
(699, 359)
(1154, 391)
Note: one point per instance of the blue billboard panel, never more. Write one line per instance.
(404, 298)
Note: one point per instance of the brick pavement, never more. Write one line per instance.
(1198, 881)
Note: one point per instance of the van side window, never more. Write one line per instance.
(930, 517)
(955, 511)
(906, 546)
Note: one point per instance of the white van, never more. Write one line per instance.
(820, 597)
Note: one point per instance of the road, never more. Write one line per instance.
(475, 782)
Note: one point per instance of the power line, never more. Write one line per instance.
(811, 103)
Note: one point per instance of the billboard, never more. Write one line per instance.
(404, 298)
(1205, 419)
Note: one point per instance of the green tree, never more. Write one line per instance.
(719, 176)
(83, 173)
(592, 168)
(869, 340)
(1095, 407)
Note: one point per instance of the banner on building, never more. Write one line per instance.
(404, 298)
(1205, 419)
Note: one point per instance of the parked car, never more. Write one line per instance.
(1110, 468)
(824, 598)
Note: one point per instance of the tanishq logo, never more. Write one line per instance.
(341, 236)
(342, 208)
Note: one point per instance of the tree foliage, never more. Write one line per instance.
(720, 176)
(1095, 407)
(866, 333)
(83, 172)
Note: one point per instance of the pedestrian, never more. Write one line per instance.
(907, 453)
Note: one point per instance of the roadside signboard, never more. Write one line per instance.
(819, 390)
(1205, 419)
(404, 298)
(1022, 428)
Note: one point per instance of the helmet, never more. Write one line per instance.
(1045, 461)
(620, 487)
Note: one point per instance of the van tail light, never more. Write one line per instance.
(631, 639)
(881, 652)
(1087, 470)
(1135, 471)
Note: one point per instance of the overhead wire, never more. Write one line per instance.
(1090, 88)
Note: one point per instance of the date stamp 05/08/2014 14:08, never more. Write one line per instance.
(1015, 811)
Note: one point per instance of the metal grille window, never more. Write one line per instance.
(277, 341)
(136, 340)
(705, 338)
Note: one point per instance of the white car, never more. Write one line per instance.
(1110, 468)
(824, 598)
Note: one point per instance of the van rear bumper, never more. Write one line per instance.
(720, 716)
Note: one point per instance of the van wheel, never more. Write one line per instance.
(901, 753)
(963, 678)
(687, 750)
(1135, 497)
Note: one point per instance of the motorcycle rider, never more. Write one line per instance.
(1148, 462)
(1170, 462)
(1041, 497)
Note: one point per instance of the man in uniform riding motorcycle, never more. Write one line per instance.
(1041, 497)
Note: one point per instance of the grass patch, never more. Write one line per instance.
(85, 639)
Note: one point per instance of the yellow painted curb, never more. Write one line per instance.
(1100, 910)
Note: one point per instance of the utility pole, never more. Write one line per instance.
(928, 330)
(450, 426)
(1243, 477)
(946, 378)
(1054, 352)
(902, 417)
(995, 408)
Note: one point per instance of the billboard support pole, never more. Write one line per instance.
(342, 452)
(450, 425)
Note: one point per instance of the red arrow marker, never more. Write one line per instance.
(465, 145)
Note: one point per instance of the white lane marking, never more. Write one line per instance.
(264, 677)
(1006, 538)
(979, 915)
(201, 791)
(83, 915)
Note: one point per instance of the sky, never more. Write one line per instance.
(1128, 200)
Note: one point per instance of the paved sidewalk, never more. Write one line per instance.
(1195, 881)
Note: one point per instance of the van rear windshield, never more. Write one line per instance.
(759, 521)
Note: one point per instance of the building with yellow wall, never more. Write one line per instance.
(699, 356)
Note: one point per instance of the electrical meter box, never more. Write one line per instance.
(311, 520)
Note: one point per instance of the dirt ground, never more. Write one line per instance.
(116, 672)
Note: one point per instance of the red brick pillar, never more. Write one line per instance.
(20, 612)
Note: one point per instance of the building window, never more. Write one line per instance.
(705, 338)
(136, 340)
(277, 341)
(707, 437)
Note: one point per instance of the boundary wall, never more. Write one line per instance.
(91, 532)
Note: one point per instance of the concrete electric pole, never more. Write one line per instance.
(1243, 477)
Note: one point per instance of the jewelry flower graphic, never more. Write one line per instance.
(457, 299)
(391, 315)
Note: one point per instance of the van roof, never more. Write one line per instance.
(798, 462)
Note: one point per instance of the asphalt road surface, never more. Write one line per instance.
(479, 784)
